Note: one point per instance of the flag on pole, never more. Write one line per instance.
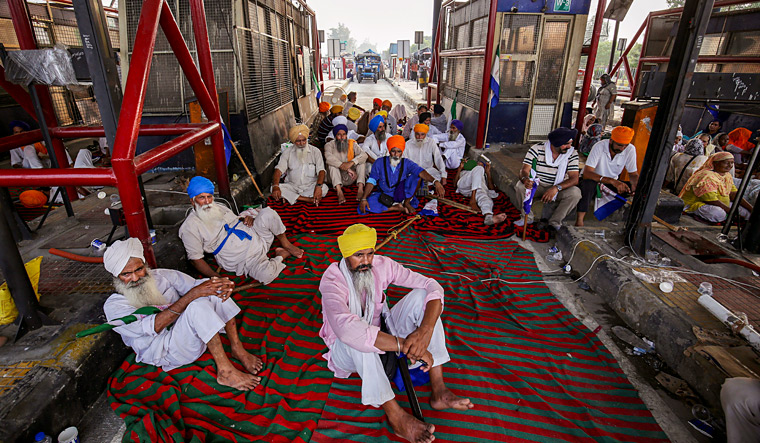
(530, 193)
(454, 106)
(140, 313)
(227, 144)
(316, 84)
(607, 201)
(494, 96)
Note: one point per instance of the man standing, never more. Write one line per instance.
(557, 170)
(188, 316)
(424, 151)
(604, 165)
(352, 302)
(239, 244)
(396, 179)
(391, 123)
(474, 180)
(452, 144)
(346, 161)
(350, 103)
(303, 168)
(605, 100)
(375, 143)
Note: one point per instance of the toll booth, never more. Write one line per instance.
(537, 46)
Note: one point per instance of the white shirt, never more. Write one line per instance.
(599, 158)
(452, 150)
(373, 148)
(17, 157)
(427, 157)
(301, 173)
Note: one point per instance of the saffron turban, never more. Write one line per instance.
(339, 128)
(457, 124)
(375, 122)
(33, 198)
(118, 254)
(561, 135)
(422, 128)
(20, 123)
(337, 109)
(377, 102)
(383, 113)
(343, 97)
(199, 185)
(356, 238)
(622, 135)
(353, 113)
(396, 141)
(387, 103)
(297, 131)
(739, 138)
(324, 107)
(40, 148)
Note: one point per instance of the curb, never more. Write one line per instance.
(407, 98)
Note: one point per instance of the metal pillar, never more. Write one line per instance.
(751, 232)
(688, 40)
(740, 192)
(436, 15)
(614, 46)
(19, 229)
(480, 138)
(590, 60)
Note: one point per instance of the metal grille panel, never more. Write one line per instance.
(551, 60)
(541, 121)
(520, 34)
(516, 79)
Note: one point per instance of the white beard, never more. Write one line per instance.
(143, 292)
(453, 136)
(420, 143)
(395, 161)
(301, 154)
(364, 284)
(211, 215)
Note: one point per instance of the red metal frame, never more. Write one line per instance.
(126, 166)
(589, 74)
(480, 138)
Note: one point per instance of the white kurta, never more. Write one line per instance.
(452, 151)
(300, 178)
(241, 256)
(391, 125)
(373, 148)
(17, 157)
(186, 340)
(475, 180)
(428, 157)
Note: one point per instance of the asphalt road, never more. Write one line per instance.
(366, 91)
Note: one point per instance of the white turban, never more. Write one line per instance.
(118, 254)
(339, 120)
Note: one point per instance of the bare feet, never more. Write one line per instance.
(499, 218)
(281, 252)
(445, 399)
(409, 428)
(250, 362)
(294, 250)
(341, 197)
(409, 209)
(237, 379)
(360, 192)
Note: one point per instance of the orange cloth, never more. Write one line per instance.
(33, 199)
(350, 155)
(324, 107)
(387, 103)
(622, 135)
(40, 148)
(421, 128)
(739, 137)
(396, 141)
(377, 102)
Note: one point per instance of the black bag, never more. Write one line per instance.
(389, 359)
(385, 200)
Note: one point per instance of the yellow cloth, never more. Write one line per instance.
(692, 202)
(337, 109)
(8, 310)
(297, 131)
(421, 128)
(383, 113)
(622, 135)
(705, 180)
(356, 238)
(353, 114)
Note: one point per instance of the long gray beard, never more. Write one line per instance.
(301, 154)
(420, 142)
(453, 136)
(211, 215)
(341, 145)
(364, 284)
(380, 136)
(142, 292)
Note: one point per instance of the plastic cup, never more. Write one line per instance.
(652, 257)
(666, 287)
(69, 435)
(705, 288)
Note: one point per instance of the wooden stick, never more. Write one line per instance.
(395, 232)
(457, 205)
(667, 225)
(246, 287)
(246, 168)
(525, 226)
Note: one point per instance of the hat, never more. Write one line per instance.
(387, 103)
(33, 198)
(375, 122)
(438, 109)
(396, 141)
(622, 135)
(20, 123)
(199, 185)
(353, 113)
(561, 135)
(377, 102)
(324, 107)
(340, 120)
(422, 128)
(383, 113)
(118, 254)
(337, 109)
(339, 128)
(297, 131)
(457, 124)
(356, 238)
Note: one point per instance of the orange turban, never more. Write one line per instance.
(739, 138)
(387, 103)
(422, 128)
(33, 199)
(324, 107)
(336, 109)
(396, 141)
(377, 102)
(40, 148)
(622, 135)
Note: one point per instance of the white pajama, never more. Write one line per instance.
(300, 177)
(475, 180)
(716, 214)
(406, 316)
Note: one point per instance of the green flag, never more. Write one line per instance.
(454, 106)
(115, 323)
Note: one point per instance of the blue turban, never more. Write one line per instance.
(339, 128)
(375, 122)
(20, 123)
(200, 185)
(560, 136)
(457, 124)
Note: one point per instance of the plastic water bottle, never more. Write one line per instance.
(41, 437)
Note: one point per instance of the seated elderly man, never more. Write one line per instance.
(396, 180)
(375, 143)
(710, 191)
(424, 151)
(239, 244)
(353, 300)
(188, 317)
(474, 180)
(556, 166)
(346, 161)
(604, 165)
(303, 169)
(452, 144)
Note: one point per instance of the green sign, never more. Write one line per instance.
(562, 5)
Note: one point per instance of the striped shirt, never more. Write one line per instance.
(546, 173)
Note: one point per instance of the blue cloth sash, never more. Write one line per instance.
(242, 235)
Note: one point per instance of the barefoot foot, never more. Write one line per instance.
(250, 362)
(499, 218)
(409, 428)
(360, 193)
(294, 250)
(281, 252)
(237, 379)
(445, 399)
(341, 197)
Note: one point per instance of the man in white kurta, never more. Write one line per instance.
(452, 144)
(424, 151)
(302, 169)
(239, 243)
(375, 144)
(353, 300)
(186, 316)
(474, 180)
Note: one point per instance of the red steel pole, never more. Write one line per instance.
(624, 55)
(484, 91)
(98, 131)
(148, 160)
(200, 30)
(588, 76)
(18, 140)
(56, 176)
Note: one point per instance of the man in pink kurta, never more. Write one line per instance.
(353, 300)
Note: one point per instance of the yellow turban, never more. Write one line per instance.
(422, 128)
(353, 114)
(297, 131)
(337, 109)
(356, 238)
(383, 113)
(622, 135)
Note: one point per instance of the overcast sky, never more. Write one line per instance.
(392, 20)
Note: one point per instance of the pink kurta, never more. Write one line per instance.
(340, 323)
